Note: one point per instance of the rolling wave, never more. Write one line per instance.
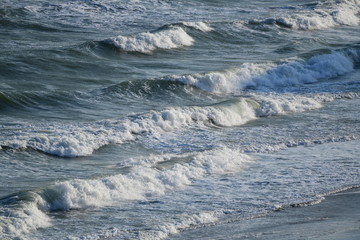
(148, 42)
(166, 37)
(323, 15)
(72, 140)
(271, 76)
(141, 183)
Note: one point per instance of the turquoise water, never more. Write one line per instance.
(145, 119)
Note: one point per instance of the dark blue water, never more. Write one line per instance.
(145, 119)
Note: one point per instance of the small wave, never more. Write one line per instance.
(201, 26)
(11, 17)
(163, 231)
(147, 42)
(272, 76)
(181, 224)
(30, 99)
(323, 16)
(140, 184)
(319, 198)
(274, 147)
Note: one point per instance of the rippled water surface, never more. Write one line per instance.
(126, 119)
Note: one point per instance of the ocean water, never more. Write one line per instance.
(127, 119)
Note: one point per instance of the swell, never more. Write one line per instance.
(28, 25)
(147, 91)
(32, 99)
(24, 18)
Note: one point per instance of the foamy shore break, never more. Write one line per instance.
(336, 217)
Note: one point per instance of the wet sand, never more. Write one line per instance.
(337, 217)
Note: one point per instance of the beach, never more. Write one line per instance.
(336, 217)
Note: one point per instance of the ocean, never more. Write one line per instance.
(155, 119)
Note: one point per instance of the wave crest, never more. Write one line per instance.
(83, 139)
(324, 16)
(270, 75)
(140, 184)
(147, 42)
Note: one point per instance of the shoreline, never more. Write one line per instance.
(337, 217)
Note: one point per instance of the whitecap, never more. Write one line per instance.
(147, 42)
(82, 140)
(201, 26)
(271, 75)
(326, 15)
(141, 183)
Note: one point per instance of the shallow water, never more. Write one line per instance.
(143, 119)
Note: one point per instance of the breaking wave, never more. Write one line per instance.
(271, 75)
(80, 140)
(147, 42)
(325, 15)
(143, 182)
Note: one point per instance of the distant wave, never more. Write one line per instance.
(325, 15)
(271, 75)
(167, 37)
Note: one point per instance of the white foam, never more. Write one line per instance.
(163, 231)
(274, 147)
(274, 104)
(181, 224)
(326, 15)
(82, 140)
(141, 183)
(72, 140)
(270, 75)
(66, 140)
(201, 26)
(223, 82)
(147, 42)
(22, 220)
(144, 181)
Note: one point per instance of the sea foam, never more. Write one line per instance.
(147, 42)
(271, 75)
(81, 140)
(162, 231)
(325, 15)
(142, 183)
